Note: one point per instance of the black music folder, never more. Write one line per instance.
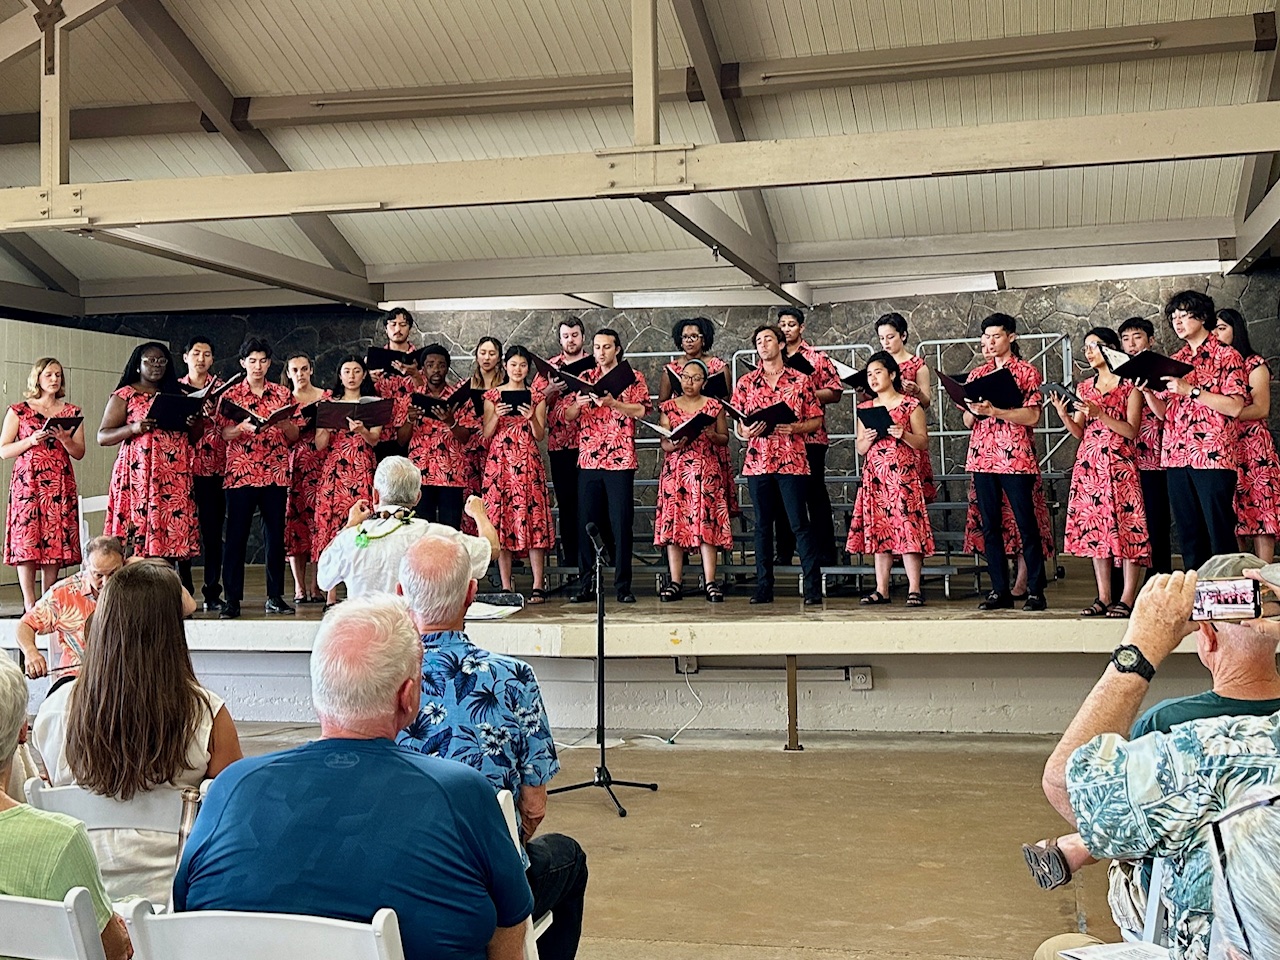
(690, 428)
(797, 362)
(570, 374)
(1147, 365)
(774, 415)
(997, 388)
(1058, 390)
(209, 391)
(876, 418)
(371, 411)
(171, 411)
(615, 382)
(516, 398)
(66, 423)
(380, 358)
(238, 414)
(857, 379)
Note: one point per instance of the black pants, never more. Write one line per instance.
(1155, 500)
(1203, 505)
(441, 505)
(822, 521)
(564, 478)
(775, 495)
(241, 503)
(611, 494)
(211, 505)
(557, 876)
(1018, 487)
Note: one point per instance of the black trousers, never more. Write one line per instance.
(241, 504)
(607, 494)
(557, 876)
(1155, 500)
(822, 521)
(564, 478)
(211, 505)
(988, 488)
(441, 505)
(1203, 506)
(774, 496)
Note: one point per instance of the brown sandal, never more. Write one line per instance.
(1047, 864)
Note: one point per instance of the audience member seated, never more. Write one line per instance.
(366, 554)
(1242, 662)
(350, 823)
(136, 719)
(1158, 795)
(485, 710)
(45, 855)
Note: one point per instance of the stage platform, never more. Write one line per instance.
(946, 666)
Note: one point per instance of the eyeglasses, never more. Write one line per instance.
(155, 361)
(1220, 846)
(690, 336)
(692, 377)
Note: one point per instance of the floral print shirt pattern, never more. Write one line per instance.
(824, 377)
(63, 613)
(261, 459)
(998, 446)
(209, 453)
(607, 440)
(1194, 435)
(775, 452)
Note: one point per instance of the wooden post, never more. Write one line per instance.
(793, 726)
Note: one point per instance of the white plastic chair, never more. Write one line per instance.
(1154, 930)
(537, 926)
(89, 505)
(219, 934)
(49, 929)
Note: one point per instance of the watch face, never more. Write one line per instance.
(1126, 658)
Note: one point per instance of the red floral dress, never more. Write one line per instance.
(345, 477)
(42, 523)
(1258, 472)
(693, 504)
(1105, 513)
(910, 367)
(515, 484)
(889, 513)
(715, 368)
(305, 464)
(974, 542)
(151, 487)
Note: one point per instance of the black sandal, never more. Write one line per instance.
(1047, 864)
(714, 593)
(1095, 609)
(671, 592)
(537, 595)
(873, 599)
(1119, 611)
(915, 599)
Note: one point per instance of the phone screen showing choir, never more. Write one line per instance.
(1233, 599)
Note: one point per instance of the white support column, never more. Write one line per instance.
(55, 109)
(644, 70)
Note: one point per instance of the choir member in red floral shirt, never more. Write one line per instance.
(562, 436)
(776, 465)
(828, 388)
(404, 379)
(208, 461)
(1199, 438)
(257, 477)
(1002, 459)
(607, 465)
(1138, 334)
(436, 440)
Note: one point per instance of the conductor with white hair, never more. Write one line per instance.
(366, 553)
(351, 823)
(485, 709)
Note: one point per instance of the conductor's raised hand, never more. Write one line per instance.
(360, 512)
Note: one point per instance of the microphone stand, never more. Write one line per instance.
(602, 778)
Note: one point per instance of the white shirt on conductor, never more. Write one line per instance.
(375, 568)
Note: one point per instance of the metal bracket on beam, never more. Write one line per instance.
(47, 15)
(650, 172)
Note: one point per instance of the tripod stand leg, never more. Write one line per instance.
(622, 811)
(576, 786)
(632, 783)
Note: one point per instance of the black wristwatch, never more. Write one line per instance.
(1129, 659)
(1195, 393)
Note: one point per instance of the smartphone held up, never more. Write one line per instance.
(1232, 598)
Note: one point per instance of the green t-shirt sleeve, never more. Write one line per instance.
(78, 867)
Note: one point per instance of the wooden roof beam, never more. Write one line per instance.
(19, 33)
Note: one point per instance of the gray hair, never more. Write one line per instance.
(13, 707)
(1252, 840)
(398, 482)
(365, 649)
(434, 576)
(104, 545)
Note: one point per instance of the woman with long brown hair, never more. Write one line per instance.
(136, 719)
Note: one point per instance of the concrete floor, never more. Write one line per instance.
(860, 845)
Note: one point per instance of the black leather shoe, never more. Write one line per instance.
(1035, 601)
(213, 606)
(230, 611)
(996, 601)
(277, 605)
(813, 601)
(583, 596)
(762, 598)
(627, 597)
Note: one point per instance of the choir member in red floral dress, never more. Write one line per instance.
(257, 477)
(891, 331)
(1002, 460)
(151, 480)
(1199, 450)
(1257, 470)
(349, 463)
(607, 466)
(515, 483)
(693, 501)
(828, 388)
(486, 375)
(695, 337)
(890, 515)
(776, 464)
(305, 462)
(436, 441)
(1138, 334)
(42, 529)
(209, 459)
(1106, 519)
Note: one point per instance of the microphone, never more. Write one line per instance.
(593, 534)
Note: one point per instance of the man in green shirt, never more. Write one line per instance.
(45, 855)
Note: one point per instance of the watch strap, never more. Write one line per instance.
(1129, 659)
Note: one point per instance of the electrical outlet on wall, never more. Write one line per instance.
(686, 665)
(859, 678)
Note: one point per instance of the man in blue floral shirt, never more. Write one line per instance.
(485, 710)
(1157, 795)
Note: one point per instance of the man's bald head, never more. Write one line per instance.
(435, 580)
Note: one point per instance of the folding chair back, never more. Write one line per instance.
(50, 930)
